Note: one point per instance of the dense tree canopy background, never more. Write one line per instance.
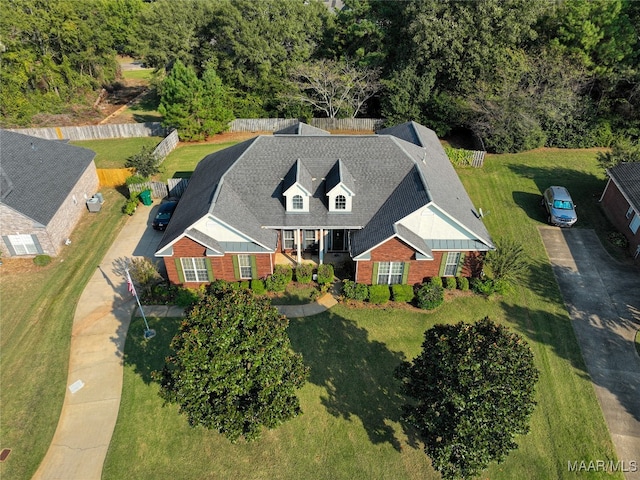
(517, 74)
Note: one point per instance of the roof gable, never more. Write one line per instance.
(37, 175)
(627, 177)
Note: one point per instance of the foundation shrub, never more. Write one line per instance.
(379, 294)
(402, 293)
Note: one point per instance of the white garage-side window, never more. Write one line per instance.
(23, 244)
(195, 269)
(635, 223)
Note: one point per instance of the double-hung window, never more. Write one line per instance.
(23, 244)
(287, 239)
(390, 272)
(629, 212)
(635, 223)
(195, 269)
(244, 265)
(451, 266)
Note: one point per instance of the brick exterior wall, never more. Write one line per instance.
(53, 236)
(69, 213)
(395, 250)
(615, 207)
(222, 267)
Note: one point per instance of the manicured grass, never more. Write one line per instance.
(138, 74)
(351, 427)
(38, 305)
(113, 153)
(183, 160)
(295, 294)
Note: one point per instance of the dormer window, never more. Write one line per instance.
(296, 188)
(340, 188)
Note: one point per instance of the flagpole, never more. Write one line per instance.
(148, 333)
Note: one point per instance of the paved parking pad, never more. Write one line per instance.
(603, 299)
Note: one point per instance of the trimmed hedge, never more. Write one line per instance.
(402, 293)
(258, 287)
(325, 273)
(285, 270)
(355, 291)
(244, 285)
(436, 281)
(379, 294)
(304, 272)
(463, 283)
(42, 260)
(450, 283)
(429, 296)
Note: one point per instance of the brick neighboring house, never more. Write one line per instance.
(621, 202)
(390, 202)
(44, 185)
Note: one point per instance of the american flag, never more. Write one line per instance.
(130, 286)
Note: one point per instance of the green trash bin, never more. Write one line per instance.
(145, 197)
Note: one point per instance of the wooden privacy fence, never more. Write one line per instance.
(274, 124)
(166, 146)
(177, 186)
(113, 177)
(158, 189)
(478, 158)
(174, 188)
(96, 132)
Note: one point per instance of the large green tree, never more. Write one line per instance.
(52, 53)
(473, 388)
(233, 368)
(196, 107)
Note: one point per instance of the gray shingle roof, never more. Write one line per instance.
(339, 174)
(37, 175)
(392, 177)
(301, 128)
(627, 177)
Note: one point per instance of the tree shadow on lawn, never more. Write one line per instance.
(356, 372)
(585, 189)
(593, 329)
(148, 355)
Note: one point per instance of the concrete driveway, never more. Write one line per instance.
(603, 299)
(100, 325)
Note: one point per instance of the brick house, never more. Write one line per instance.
(44, 185)
(621, 202)
(390, 202)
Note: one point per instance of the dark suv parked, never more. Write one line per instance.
(163, 216)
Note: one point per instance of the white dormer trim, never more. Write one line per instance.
(291, 192)
(334, 193)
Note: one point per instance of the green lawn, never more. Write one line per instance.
(183, 160)
(112, 153)
(350, 427)
(138, 74)
(295, 294)
(37, 311)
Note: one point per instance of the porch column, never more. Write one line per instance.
(299, 256)
(321, 247)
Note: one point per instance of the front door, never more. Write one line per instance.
(337, 240)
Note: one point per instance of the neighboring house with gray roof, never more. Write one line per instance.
(44, 185)
(391, 202)
(621, 202)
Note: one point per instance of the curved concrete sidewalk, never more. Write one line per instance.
(603, 299)
(88, 417)
(100, 324)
